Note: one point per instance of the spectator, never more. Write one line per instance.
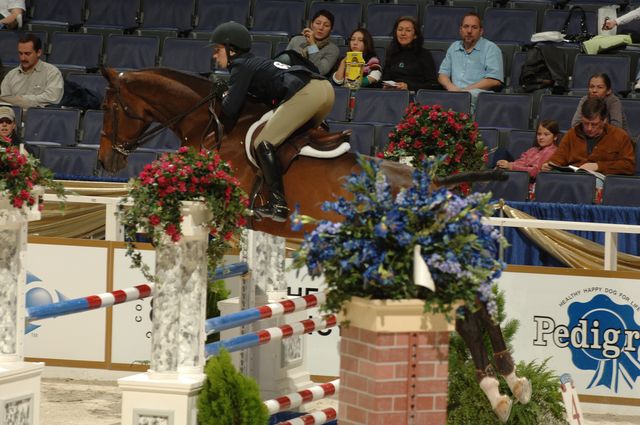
(361, 41)
(595, 144)
(407, 63)
(314, 43)
(600, 86)
(34, 82)
(544, 146)
(610, 24)
(7, 125)
(12, 12)
(473, 64)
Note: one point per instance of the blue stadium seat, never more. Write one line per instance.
(558, 107)
(621, 190)
(75, 161)
(278, 17)
(165, 141)
(135, 163)
(380, 106)
(437, 56)
(519, 141)
(362, 136)
(63, 14)
(75, 51)
(513, 85)
(381, 16)
(631, 108)
(553, 20)
(618, 67)
(186, 54)
(382, 136)
(504, 110)
(491, 139)
(261, 48)
(167, 15)
(131, 52)
(348, 16)
(515, 188)
(211, 13)
(443, 22)
(567, 188)
(503, 25)
(51, 126)
(339, 110)
(112, 14)
(90, 129)
(96, 83)
(9, 48)
(458, 101)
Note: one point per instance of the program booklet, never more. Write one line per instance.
(574, 169)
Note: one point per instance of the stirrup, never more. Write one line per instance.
(278, 213)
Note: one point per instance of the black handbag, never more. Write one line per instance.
(584, 34)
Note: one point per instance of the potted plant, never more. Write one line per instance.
(428, 130)
(367, 259)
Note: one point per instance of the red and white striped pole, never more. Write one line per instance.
(314, 418)
(290, 401)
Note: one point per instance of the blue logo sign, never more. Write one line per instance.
(36, 296)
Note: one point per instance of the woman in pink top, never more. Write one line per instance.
(546, 143)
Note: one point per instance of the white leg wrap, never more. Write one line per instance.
(501, 404)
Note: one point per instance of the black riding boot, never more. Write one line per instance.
(276, 207)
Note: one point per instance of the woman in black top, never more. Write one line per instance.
(407, 63)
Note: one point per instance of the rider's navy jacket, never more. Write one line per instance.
(269, 81)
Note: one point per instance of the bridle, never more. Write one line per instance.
(132, 145)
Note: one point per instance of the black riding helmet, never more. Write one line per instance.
(233, 36)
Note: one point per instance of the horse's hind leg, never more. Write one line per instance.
(520, 387)
(470, 329)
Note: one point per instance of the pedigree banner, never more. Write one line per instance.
(587, 325)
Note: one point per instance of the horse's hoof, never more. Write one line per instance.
(522, 390)
(502, 409)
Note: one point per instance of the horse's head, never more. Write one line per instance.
(125, 120)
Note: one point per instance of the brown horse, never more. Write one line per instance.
(135, 99)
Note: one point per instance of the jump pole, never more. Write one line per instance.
(314, 418)
(290, 401)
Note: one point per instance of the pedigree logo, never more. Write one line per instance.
(602, 335)
(36, 296)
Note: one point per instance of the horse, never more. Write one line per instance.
(188, 105)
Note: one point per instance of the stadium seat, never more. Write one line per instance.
(75, 51)
(622, 191)
(443, 22)
(380, 106)
(437, 56)
(111, 15)
(211, 13)
(631, 109)
(75, 161)
(165, 141)
(348, 16)
(261, 48)
(504, 110)
(96, 83)
(567, 188)
(278, 17)
(90, 129)
(167, 15)
(186, 54)
(59, 14)
(519, 141)
(135, 163)
(553, 20)
(382, 137)
(362, 136)
(491, 139)
(515, 188)
(515, 26)
(51, 126)
(380, 17)
(559, 108)
(339, 110)
(513, 85)
(131, 52)
(9, 48)
(618, 67)
(458, 101)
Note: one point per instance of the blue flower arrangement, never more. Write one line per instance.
(369, 253)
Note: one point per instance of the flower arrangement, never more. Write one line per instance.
(431, 131)
(369, 253)
(186, 175)
(20, 174)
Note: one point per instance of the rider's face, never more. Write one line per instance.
(220, 56)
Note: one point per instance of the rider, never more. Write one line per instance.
(298, 95)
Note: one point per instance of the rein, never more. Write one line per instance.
(150, 133)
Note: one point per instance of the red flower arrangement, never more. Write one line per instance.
(187, 175)
(20, 174)
(428, 130)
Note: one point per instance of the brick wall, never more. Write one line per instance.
(393, 378)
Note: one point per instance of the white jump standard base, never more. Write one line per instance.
(20, 393)
(160, 401)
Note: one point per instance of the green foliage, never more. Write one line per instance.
(228, 397)
(469, 405)
(216, 291)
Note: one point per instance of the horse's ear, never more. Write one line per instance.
(108, 73)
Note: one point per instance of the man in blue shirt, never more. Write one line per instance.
(473, 64)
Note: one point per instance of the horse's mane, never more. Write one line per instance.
(197, 83)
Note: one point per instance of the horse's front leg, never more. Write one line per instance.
(520, 387)
(470, 328)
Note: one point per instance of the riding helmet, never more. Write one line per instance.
(232, 34)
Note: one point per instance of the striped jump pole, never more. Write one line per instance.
(280, 308)
(290, 401)
(265, 336)
(314, 418)
(120, 296)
